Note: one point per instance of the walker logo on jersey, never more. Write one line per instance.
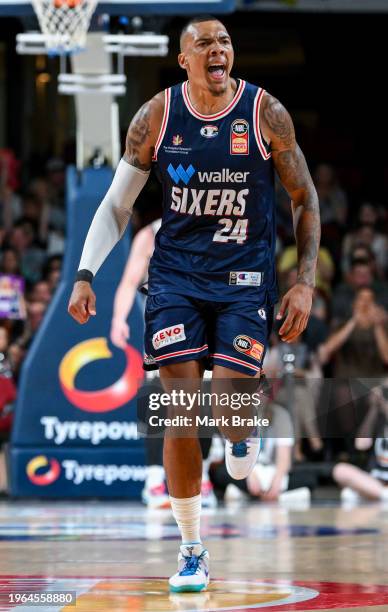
(177, 140)
(247, 279)
(168, 335)
(209, 131)
(103, 400)
(239, 137)
(262, 314)
(249, 346)
(43, 472)
(180, 174)
(224, 176)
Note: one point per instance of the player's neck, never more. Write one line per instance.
(208, 103)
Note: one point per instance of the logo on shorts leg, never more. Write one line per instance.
(262, 314)
(168, 335)
(249, 346)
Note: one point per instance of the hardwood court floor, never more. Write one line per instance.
(116, 556)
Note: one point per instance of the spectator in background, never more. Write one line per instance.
(359, 349)
(361, 274)
(10, 204)
(373, 435)
(52, 216)
(41, 292)
(367, 234)
(23, 239)
(35, 314)
(301, 398)
(52, 278)
(53, 263)
(5, 363)
(10, 262)
(332, 199)
(360, 344)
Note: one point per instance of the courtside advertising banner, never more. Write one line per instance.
(77, 397)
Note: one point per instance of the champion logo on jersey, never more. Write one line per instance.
(209, 131)
(180, 174)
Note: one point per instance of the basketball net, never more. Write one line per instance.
(64, 23)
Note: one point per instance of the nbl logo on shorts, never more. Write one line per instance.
(249, 346)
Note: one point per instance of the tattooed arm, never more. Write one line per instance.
(114, 212)
(143, 133)
(289, 161)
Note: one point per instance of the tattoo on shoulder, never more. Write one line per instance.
(278, 121)
(138, 132)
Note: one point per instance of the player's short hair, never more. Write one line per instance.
(193, 21)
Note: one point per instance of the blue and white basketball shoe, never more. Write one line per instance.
(241, 457)
(193, 569)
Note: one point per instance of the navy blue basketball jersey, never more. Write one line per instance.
(217, 238)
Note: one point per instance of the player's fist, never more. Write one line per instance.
(119, 333)
(82, 303)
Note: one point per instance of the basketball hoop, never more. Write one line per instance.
(64, 23)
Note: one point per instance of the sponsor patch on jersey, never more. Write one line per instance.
(249, 279)
(249, 346)
(168, 335)
(239, 137)
(209, 131)
(262, 314)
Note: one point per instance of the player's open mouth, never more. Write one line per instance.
(217, 72)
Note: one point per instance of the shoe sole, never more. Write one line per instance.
(188, 588)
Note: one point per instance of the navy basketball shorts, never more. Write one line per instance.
(181, 328)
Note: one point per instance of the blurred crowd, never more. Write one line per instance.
(32, 242)
(347, 335)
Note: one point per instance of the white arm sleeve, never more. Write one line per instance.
(112, 215)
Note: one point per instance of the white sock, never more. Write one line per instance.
(384, 494)
(187, 513)
(155, 476)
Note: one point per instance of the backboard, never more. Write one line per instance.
(139, 7)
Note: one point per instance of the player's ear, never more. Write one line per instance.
(182, 61)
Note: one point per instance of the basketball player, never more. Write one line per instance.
(154, 493)
(215, 141)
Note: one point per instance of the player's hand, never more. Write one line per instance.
(119, 333)
(82, 303)
(296, 307)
